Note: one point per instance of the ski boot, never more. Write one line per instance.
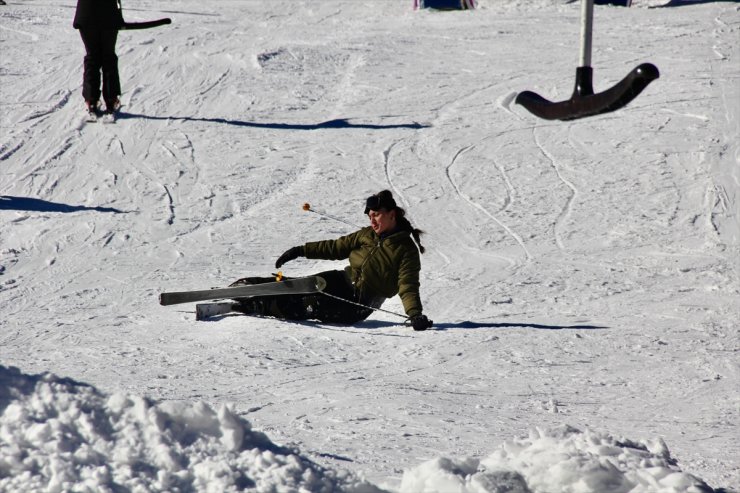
(92, 111)
(111, 110)
(249, 306)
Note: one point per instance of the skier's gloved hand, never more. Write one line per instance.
(421, 322)
(291, 254)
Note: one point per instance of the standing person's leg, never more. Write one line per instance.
(92, 64)
(109, 63)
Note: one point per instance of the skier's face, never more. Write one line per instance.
(382, 220)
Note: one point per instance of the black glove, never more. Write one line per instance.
(420, 322)
(291, 254)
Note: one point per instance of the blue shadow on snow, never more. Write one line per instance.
(379, 324)
(8, 202)
(517, 325)
(15, 384)
(686, 3)
(382, 324)
(331, 124)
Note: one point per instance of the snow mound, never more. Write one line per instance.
(60, 435)
(559, 460)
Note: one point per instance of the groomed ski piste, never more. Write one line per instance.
(582, 275)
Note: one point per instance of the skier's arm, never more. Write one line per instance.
(408, 283)
(328, 249)
(289, 255)
(408, 290)
(332, 249)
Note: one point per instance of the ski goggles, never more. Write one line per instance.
(377, 202)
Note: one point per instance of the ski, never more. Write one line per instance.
(108, 117)
(111, 114)
(96, 114)
(204, 311)
(104, 117)
(300, 285)
(92, 114)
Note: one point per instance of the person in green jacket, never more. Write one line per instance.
(383, 261)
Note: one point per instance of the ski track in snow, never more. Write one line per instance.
(32, 37)
(387, 171)
(581, 273)
(458, 191)
(567, 208)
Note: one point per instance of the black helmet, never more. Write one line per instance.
(381, 200)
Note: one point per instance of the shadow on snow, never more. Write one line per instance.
(14, 384)
(684, 3)
(384, 324)
(8, 202)
(331, 124)
(523, 325)
(467, 324)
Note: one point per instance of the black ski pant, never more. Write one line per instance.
(100, 46)
(337, 308)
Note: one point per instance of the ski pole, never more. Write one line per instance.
(363, 306)
(307, 208)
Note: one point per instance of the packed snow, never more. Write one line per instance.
(583, 276)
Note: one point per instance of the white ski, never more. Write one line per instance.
(91, 116)
(108, 118)
(301, 285)
(204, 311)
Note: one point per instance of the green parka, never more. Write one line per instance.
(377, 266)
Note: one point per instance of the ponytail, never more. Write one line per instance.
(405, 225)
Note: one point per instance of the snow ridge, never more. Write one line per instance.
(58, 435)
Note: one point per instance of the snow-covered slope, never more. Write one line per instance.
(581, 275)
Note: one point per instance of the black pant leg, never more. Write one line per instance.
(92, 64)
(340, 307)
(100, 48)
(109, 65)
(318, 306)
